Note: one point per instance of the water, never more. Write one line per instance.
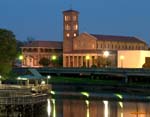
(98, 108)
(84, 108)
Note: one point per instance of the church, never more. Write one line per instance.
(80, 49)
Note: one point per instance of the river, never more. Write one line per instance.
(71, 107)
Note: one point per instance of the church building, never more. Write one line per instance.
(83, 50)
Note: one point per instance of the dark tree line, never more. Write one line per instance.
(8, 51)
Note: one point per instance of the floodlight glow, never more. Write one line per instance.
(122, 57)
(53, 92)
(54, 57)
(21, 57)
(43, 82)
(106, 53)
(48, 76)
(87, 57)
(18, 78)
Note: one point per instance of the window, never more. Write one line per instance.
(75, 27)
(67, 27)
(74, 18)
(41, 49)
(93, 46)
(67, 18)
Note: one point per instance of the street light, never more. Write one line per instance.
(106, 55)
(53, 58)
(121, 59)
(48, 77)
(87, 59)
(20, 57)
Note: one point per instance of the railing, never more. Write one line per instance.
(6, 86)
(23, 100)
(15, 94)
(123, 71)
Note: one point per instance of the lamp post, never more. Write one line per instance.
(87, 59)
(48, 77)
(121, 59)
(20, 58)
(106, 55)
(53, 58)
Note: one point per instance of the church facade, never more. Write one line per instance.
(84, 50)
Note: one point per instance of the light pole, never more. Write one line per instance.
(48, 77)
(53, 58)
(106, 55)
(20, 58)
(121, 59)
(87, 59)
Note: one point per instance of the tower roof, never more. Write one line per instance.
(68, 11)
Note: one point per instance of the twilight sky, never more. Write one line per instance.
(42, 19)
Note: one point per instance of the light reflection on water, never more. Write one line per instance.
(96, 108)
(49, 108)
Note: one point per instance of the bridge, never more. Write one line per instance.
(127, 74)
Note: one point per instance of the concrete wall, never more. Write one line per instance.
(132, 59)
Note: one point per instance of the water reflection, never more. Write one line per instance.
(105, 108)
(54, 108)
(48, 107)
(96, 108)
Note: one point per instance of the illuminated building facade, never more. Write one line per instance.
(34, 51)
(132, 58)
(83, 50)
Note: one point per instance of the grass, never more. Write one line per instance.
(60, 79)
(77, 80)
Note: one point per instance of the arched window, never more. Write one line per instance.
(67, 27)
(75, 27)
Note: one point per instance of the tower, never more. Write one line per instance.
(70, 29)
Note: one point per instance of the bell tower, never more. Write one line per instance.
(70, 29)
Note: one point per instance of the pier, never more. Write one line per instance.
(16, 100)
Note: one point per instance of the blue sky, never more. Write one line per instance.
(42, 19)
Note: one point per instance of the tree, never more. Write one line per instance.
(147, 63)
(44, 62)
(7, 51)
(103, 61)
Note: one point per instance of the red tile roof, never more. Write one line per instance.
(118, 38)
(50, 44)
